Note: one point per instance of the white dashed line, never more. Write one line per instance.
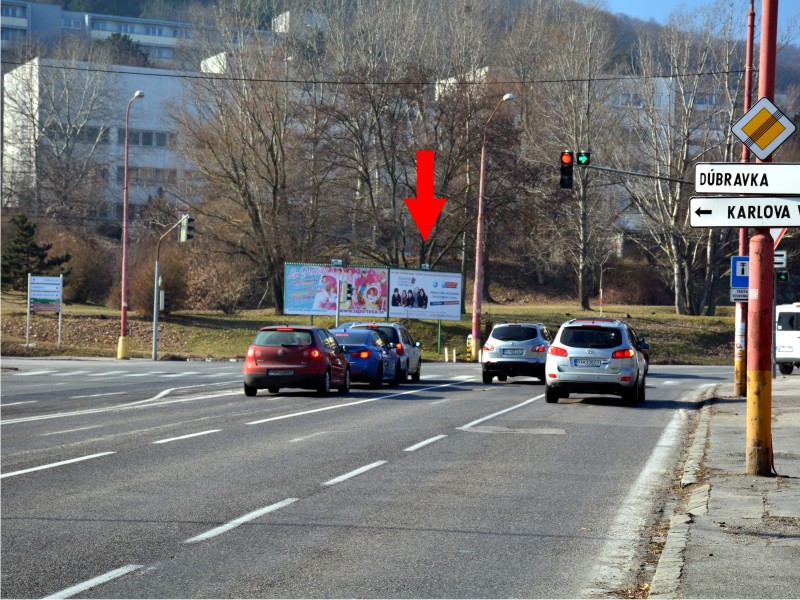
(425, 443)
(347, 476)
(58, 464)
(70, 430)
(32, 373)
(87, 585)
(236, 522)
(304, 438)
(185, 437)
(502, 412)
(18, 403)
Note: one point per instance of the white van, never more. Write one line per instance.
(787, 337)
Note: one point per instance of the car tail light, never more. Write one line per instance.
(624, 378)
(539, 348)
(556, 351)
(284, 329)
(250, 351)
(488, 348)
(399, 348)
(361, 354)
(315, 353)
(627, 353)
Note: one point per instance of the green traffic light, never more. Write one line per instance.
(583, 157)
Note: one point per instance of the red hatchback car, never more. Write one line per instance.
(296, 357)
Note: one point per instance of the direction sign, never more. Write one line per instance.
(763, 128)
(739, 295)
(740, 272)
(747, 178)
(752, 211)
(779, 259)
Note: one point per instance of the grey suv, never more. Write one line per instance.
(599, 356)
(408, 349)
(515, 349)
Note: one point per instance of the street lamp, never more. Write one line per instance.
(477, 292)
(122, 346)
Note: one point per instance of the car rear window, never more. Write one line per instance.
(591, 337)
(789, 321)
(275, 338)
(514, 333)
(389, 332)
(352, 337)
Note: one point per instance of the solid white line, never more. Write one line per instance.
(87, 585)
(316, 410)
(425, 443)
(191, 435)
(502, 412)
(71, 430)
(236, 522)
(347, 476)
(23, 402)
(58, 464)
(612, 568)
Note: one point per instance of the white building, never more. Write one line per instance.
(40, 119)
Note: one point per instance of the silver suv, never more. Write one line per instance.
(598, 356)
(408, 349)
(515, 349)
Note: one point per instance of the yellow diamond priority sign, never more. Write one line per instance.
(763, 128)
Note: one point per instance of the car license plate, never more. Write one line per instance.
(585, 362)
(280, 372)
(513, 351)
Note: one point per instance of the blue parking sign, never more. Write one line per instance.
(740, 271)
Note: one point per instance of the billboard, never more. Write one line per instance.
(311, 290)
(425, 295)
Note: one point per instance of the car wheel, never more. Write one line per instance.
(487, 378)
(345, 387)
(402, 374)
(325, 386)
(502, 378)
(273, 390)
(376, 383)
(551, 395)
(418, 373)
(786, 368)
(249, 390)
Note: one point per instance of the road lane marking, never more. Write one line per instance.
(97, 395)
(74, 373)
(243, 519)
(107, 373)
(18, 403)
(358, 471)
(70, 430)
(58, 464)
(183, 374)
(611, 570)
(463, 377)
(502, 412)
(302, 439)
(87, 585)
(32, 373)
(316, 410)
(425, 443)
(191, 435)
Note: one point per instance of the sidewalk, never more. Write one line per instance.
(738, 535)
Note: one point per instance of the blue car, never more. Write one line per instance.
(372, 357)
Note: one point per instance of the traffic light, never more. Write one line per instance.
(567, 164)
(187, 226)
(583, 157)
(783, 276)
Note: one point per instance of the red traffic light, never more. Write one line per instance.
(566, 158)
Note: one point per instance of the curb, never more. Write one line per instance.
(667, 577)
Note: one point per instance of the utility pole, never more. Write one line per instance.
(759, 308)
(740, 335)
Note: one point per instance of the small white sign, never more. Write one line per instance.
(739, 295)
(718, 211)
(747, 178)
(763, 128)
(780, 259)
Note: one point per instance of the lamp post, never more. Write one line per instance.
(122, 346)
(477, 292)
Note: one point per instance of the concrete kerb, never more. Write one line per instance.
(667, 577)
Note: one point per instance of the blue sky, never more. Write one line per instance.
(661, 9)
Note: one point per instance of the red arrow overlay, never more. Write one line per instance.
(425, 209)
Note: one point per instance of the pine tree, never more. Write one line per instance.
(23, 255)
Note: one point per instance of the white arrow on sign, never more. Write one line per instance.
(747, 178)
(717, 211)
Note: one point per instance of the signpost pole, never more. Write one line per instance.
(60, 313)
(758, 446)
(28, 328)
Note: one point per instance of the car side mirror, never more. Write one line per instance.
(343, 349)
(418, 344)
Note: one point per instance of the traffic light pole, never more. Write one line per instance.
(157, 289)
(758, 446)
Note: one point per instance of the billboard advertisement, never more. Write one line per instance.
(311, 290)
(425, 295)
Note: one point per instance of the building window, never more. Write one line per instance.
(147, 138)
(159, 31)
(12, 11)
(70, 23)
(161, 139)
(126, 28)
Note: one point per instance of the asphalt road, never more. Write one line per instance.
(134, 479)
